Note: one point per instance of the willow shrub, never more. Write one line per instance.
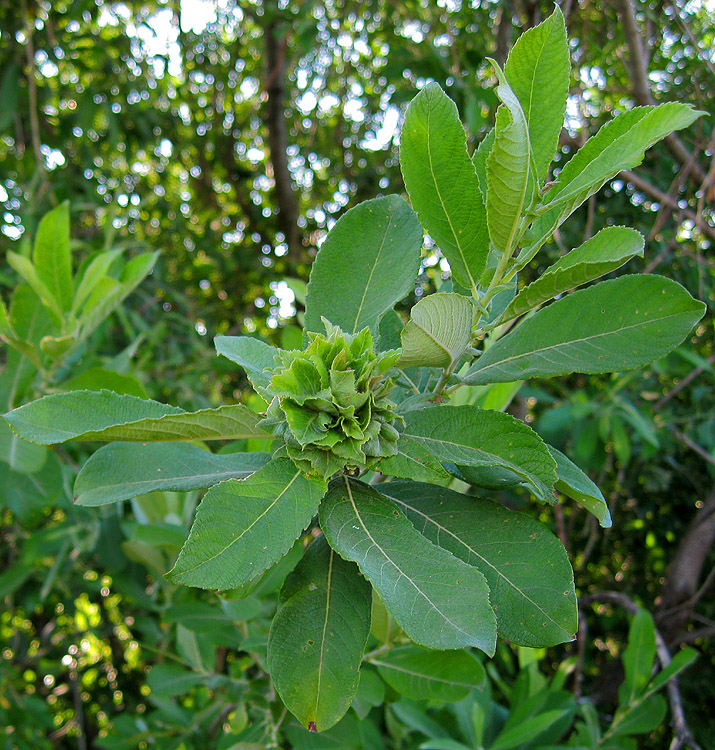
(368, 399)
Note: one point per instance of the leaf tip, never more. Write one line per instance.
(312, 727)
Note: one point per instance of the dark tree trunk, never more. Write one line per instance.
(275, 119)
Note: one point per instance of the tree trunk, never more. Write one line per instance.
(275, 87)
(680, 589)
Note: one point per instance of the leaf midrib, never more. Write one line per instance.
(325, 630)
(244, 532)
(372, 270)
(441, 202)
(528, 475)
(483, 559)
(176, 420)
(420, 675)
(397, 567)
(533, 352)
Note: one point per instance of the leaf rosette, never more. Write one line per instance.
(331, 403)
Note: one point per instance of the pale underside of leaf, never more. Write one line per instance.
(104, 415)
(574, 483)
(120, 471)
(508, 166)
(438, 331)
(253, 355)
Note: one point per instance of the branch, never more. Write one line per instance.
(681, 733)
(32, 90)
(640, 83)
(663, 197)
(687, 380)
(503, 35)
(275, 119)
(680, 588)
(693, 446)
(696, 45)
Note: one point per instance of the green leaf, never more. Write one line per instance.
(444, 743)
(538, 70)
(638, 657)
(242, 527)
(682, 660)
(574, 483)
(442, 184)
(160, 535)
(27, 458)
(103, 415)
(168, 680)
(30, 321)
(476, 437)
(108, 294)
(440, 601)
(12, 578)
(98, 379)
(370, 693)
(52, 257)
(28, 494)
(368, 262)
(95, 271)
(618, 145)
(445, 676)
(606, 251)
(642, 718)
(27, 270)
(120, 471)
(318, 636)
(527, 569)
(610, 327)
(526, 731)
(479, 159)
(508, 167)
(438, 332)
(413, 461)
(254, 356)
(6, 329)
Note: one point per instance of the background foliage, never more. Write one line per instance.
(229, 136)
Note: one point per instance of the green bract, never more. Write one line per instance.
(330, 403)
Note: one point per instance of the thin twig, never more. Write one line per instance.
(663, 197)
(693, 446)
(581, 638)
(702, 55)
(78, 710)
(687, 380)
(692, 600)
(32, 88)
(681, 733)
